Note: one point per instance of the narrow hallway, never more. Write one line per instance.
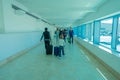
(35, 65)
(94, 25)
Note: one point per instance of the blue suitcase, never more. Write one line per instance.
(56, 51)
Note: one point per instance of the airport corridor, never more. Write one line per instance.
(36, 65)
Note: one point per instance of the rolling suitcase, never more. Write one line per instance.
(49, 49)
(68, 39)
(56, 51)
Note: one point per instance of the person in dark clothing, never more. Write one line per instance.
(60, 32)
(47, 38)
(64, 34)
(71, 33)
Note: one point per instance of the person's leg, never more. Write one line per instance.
(72, 39)
(64, 38)
(57, 41)
(45, 46)
(47, 43)
(62, 48)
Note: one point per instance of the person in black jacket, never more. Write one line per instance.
(71, 33)
(47, 38)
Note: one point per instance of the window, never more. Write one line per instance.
(118, 37)
(89, 32)
(75, 31)
(83, 31)
(105, 32)
(79, 31)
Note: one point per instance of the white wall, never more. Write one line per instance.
(110, 59)
(19, 22)
(13, 43)
(1, 18)
(20, 31)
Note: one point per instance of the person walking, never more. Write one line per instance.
(64, 34)
(61, 45)
(71, 33)
(47, 39)
(56, 36)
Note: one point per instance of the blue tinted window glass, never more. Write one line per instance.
(105, 32)
(118, 37)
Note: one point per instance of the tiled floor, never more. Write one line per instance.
(35, 65)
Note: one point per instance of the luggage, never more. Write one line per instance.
(68, 39)
(56, 51)
(49, 49)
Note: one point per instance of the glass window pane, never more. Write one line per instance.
(91, 32)
(118, 37)
(105, 32)
(82, 31)
(87, 32)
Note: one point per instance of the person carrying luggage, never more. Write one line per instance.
(47, 39)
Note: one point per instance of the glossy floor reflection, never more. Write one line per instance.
(35, 65)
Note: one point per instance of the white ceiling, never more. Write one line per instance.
(62, 13)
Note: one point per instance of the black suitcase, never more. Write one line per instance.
(68, 39)
(49, 49)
